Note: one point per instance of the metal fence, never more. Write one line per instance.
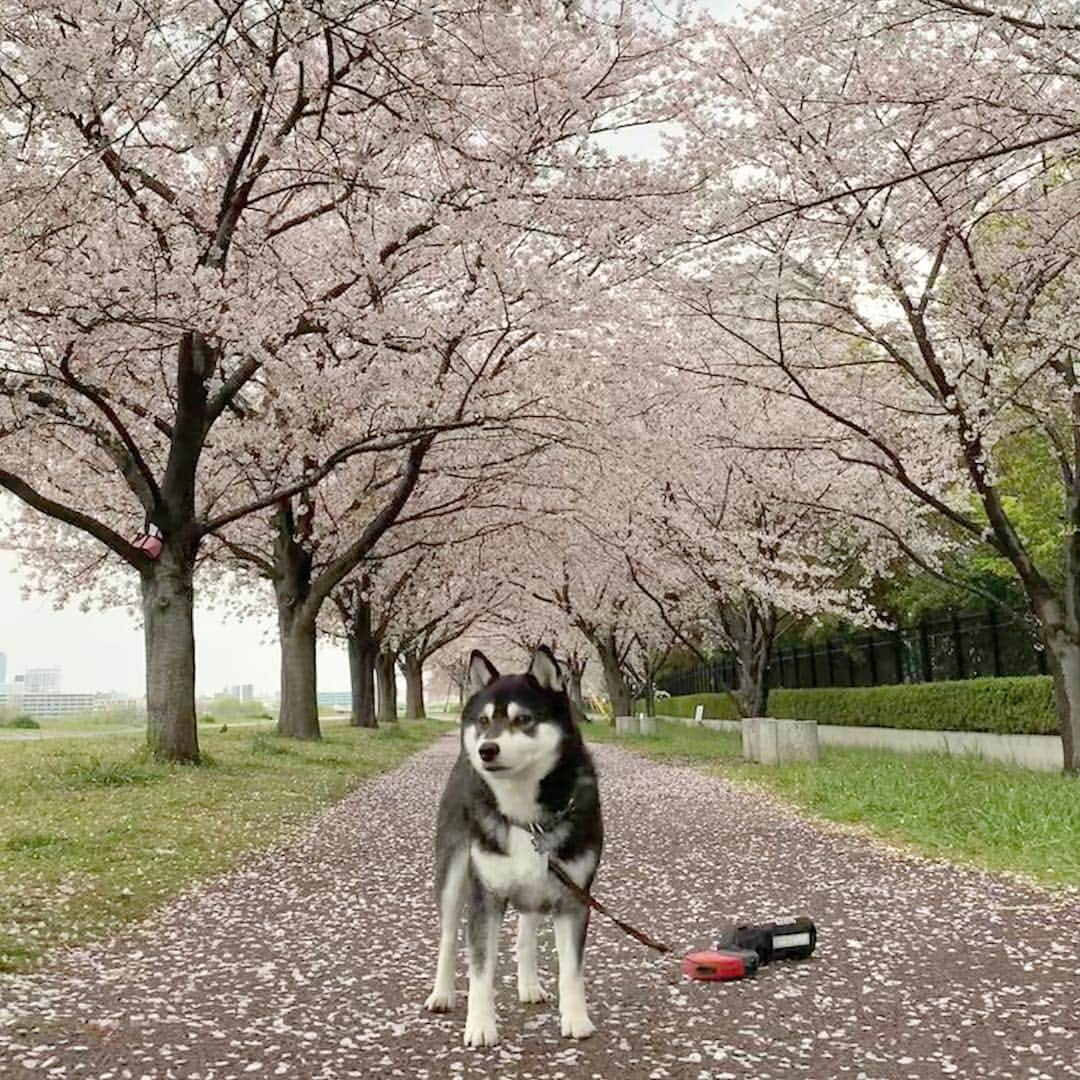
(968, 646)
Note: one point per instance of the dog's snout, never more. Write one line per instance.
(488, 751)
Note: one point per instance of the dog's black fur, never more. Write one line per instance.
(487, 849)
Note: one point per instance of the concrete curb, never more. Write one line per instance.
(1040, 752)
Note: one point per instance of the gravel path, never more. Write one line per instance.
(312, 962)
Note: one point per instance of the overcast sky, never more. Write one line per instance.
(104, 651)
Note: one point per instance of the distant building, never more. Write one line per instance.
(242, 691)
(335, 699)
(3, 670)
(53, 703)
(41, 680)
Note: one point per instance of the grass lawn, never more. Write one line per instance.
(94, 833)
(959, 808)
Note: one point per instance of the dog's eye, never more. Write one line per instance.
(525, 720)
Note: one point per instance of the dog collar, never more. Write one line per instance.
(539, 830)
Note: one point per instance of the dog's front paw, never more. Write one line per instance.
(441, 1000)
(481, 1029)
(532, 993)
(577, 1025)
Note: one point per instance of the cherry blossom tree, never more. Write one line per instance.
(568, 567)
(213, 214)
(900, 177)
(403, 610)
(740, 539)
(441, 606)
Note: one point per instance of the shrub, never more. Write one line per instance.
(264, 743)
(1017, 705)
(20, 722)
(93, 772)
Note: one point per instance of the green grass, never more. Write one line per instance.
(91, 721)
(23, 722)
(958, 808)
(94, 833)
(676, 744)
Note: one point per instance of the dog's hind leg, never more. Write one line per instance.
(485, 919)
(571, 925)
(451, 902)
(529, 988)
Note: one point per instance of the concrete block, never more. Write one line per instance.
(772, 741)
(647, 725)
(749, 738)
(699, 714)
(766, 743)
(627, 725)
(796, 740)
(720, 725)
(759, 739)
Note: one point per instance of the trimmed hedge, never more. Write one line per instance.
(1016, 705)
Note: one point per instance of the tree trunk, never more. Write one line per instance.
(386, 680)
(577, 698)
(752, 630)
(169, 634)
(650, 695)
(614, 679)
(298, 716)
(753, 692)
(752, 648)
(362, 651)
(414, 686)
(299, 713)
(1063, 659)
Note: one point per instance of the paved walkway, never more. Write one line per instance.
(312, 962)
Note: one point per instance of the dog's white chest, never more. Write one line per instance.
(522, 870)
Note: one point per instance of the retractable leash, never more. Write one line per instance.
(741, 950)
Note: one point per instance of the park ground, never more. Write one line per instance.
(312, 958)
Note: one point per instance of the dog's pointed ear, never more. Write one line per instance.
(545, 669)
(481, 672)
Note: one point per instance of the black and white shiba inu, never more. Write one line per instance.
(522, 792)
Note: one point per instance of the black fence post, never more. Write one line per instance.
(995, 640)
(958, 648)
(828, 662)
(871, 655)
(898, 650)
(927, 658)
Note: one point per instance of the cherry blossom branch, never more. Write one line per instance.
(76, 518)
(347, 561)
(410, 436)
(98, 399)
(876, 186)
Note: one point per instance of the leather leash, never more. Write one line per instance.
(579, 893)
(591, 901)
